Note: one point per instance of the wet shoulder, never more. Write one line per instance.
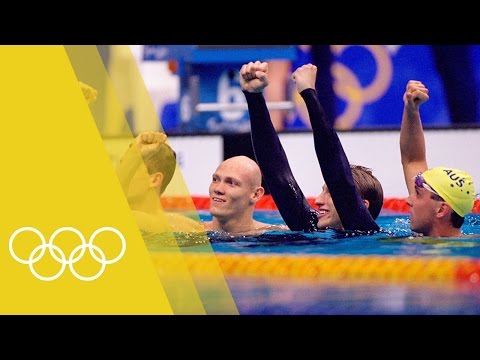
(166, 222)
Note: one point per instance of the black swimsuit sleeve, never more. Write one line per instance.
(292, 204)
(336, 170)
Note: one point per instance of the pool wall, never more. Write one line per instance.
(200, 155)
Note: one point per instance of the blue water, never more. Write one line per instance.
(396, 238)
(290, 295)
(273, 296)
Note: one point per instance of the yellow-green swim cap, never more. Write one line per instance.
(454, 186)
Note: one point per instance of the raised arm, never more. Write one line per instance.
(292, 204)
(141, 149)
(333, 162)
(412, 139)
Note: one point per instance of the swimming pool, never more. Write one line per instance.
(390, 273)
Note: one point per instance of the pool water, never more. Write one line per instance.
(396, 238)
(335, 273)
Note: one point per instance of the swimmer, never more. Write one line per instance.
(440, 197)
(351, 198)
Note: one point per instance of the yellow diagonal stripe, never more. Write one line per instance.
(121, 91)
(57, 175)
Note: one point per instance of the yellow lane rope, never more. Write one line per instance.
(378, 268)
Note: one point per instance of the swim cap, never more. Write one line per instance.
(454, 186)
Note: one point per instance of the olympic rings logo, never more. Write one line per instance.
(38, 252)
(348, 87)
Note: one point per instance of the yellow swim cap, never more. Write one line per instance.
(454, 186)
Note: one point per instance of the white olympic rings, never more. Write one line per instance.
(62, 259)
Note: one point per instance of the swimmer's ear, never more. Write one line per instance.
(444, 210)
(367, 203)
(259, 192)
(156, 179)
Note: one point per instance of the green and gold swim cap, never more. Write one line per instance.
(454, 186)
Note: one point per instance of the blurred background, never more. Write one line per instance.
(196, 94)
(195, 87)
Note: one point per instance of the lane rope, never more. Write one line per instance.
(376, 268)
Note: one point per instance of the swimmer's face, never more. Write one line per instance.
(327, 214)
(232, 192)
(423, 210)
(141, 186)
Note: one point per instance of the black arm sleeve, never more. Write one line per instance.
(336, 169)
(292, 204)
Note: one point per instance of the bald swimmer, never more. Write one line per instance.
(235, 189)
